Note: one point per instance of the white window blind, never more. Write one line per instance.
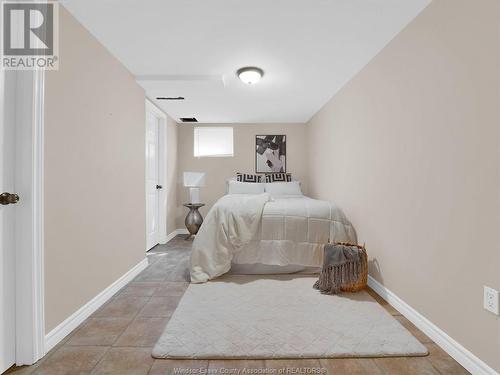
(213, 141)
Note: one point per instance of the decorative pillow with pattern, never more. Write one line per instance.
(278, 177)
(243, 177)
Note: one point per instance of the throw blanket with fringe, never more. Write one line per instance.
(342, 268)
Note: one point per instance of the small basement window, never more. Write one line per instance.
(213, 142)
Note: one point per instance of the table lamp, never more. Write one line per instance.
(194, 180)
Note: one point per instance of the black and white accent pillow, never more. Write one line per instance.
(243, 177)
(278, 177)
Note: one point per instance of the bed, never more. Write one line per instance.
(266, 230)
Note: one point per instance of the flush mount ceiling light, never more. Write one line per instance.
(250, 74)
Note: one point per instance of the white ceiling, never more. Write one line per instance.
(308, 50)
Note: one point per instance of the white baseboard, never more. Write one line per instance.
(68, 325)
(463, 356)
(169, 237)
(175, 233)
(163, 239)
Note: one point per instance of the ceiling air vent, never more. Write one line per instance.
(170, 98)
(188, 119)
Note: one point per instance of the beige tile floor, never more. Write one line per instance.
(118, 338)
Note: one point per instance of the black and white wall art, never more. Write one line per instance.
(270, 154)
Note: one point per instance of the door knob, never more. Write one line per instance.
(159, 187)
(8, 198)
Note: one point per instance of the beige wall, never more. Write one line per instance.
(94, 173)
(410, 148)
(171, 175)
(219, 169)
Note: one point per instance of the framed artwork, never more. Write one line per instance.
(270, 153)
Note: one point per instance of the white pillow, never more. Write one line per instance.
(236, 187)
(227, 183)
(284, 188)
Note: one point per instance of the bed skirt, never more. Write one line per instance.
(268, 269)
(281, 253)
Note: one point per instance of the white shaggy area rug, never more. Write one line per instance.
(271, 316)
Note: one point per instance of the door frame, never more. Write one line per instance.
(29, 247)
(162, 169)
(29, 183)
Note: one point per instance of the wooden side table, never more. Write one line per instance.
(193, 219)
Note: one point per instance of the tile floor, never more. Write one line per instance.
(118, 338)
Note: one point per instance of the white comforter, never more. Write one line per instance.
(249, 229)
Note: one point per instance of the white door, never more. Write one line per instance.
(152, 180)
(7, 220)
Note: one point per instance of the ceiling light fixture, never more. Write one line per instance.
(250, 74)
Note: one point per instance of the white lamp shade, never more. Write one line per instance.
(194, 179)
(194, 195)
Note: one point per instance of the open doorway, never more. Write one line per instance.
(156, 172)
